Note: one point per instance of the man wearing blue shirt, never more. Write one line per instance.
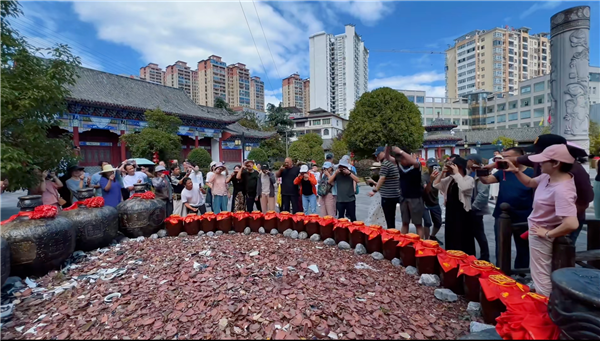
(520, 199)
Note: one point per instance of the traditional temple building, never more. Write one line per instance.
(440, 139)
(103, 106)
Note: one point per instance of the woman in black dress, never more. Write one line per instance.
(238, 200)
(457, 188)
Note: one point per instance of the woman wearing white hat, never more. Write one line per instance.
(111, 189)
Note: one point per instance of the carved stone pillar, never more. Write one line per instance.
(569, 77)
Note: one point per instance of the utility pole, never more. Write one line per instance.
(286, 143)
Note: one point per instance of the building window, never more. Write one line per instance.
(300, 124)
(421, 110)
(326, 121)
(513, 117)
(537, 113)
(315, 122)
(525, 102)
(526, 89)
(464, 112)
(428, 111)
(447, 112)
(537, 87)
(456, 112)
(538, 99)
(501, 118)
(420, 99)
(490, 120)
(512, 126)
(525, 114)
(428, 121)
(465, 121)
(411, 98)
(490, 109)
(325, 132)
(512, 105)
(501, 106)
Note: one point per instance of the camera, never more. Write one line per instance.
(436, 168)
(501, 164)
(482, 172)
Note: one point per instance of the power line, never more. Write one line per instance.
(269, 47)
(256, 46)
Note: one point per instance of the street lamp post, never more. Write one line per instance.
(286, 143)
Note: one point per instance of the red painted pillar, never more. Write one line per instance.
(123, 151)
(196, 142)
(439, 152)
(76, 136)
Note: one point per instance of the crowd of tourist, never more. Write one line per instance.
(549, 190)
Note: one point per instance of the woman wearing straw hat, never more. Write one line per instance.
(111, 189)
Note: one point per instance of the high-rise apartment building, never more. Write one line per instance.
(257, 93)
(212, 80)
(152, 73)
(238, 85)
(495, 60)
(179, 75)
(339, 71)
(296, 93)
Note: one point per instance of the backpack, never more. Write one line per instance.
(324, 187)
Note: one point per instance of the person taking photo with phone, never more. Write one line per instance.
(479, 204)
(266, 184)
(306, 181)
(289, 192)
(48, 188)
(238, 201)
(345, 181)
(432, 216)
(251, 178)
(388, 185)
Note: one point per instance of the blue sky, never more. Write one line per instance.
(120, 37)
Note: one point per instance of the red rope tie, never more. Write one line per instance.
(145, 195)
(95, 202)
(40, 212)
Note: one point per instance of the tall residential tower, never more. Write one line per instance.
(296, 93)
(212, 80)
(339, 71)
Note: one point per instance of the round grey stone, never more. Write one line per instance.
(210, 234)
(329, 242)
(274, 232)
(161, 233)
(411, 270)
(474, 309)
(445, 295)
(377, 255)
(261, 230)
(360, 249)
(396, 262)
(477, 327)
(315, 237)
(302, 235)
(232, 232)
(429, 280)
(247, 231)
(219, 233)
(154, 236)
(344, 246)
(201, 233)
(183, 234)
(287, 232)
(294, 235)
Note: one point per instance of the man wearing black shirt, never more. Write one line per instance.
(250, 179)
(289, 192)
(178, 186)
(411, 204)
(433, 212)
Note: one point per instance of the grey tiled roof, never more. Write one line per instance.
(442, 137)
(106, 89)
(527, 134)
(237, 129)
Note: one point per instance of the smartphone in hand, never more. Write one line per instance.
(482, 172)
(501, 164)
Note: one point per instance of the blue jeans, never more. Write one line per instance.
(219, 203)
(597, 197)
(309, 203)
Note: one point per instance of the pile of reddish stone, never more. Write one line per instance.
(233, 287)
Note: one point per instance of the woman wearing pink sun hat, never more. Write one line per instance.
(554, 210)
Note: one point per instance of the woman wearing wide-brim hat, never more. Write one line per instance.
(111, 189)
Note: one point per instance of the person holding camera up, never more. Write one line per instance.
(251, 179)
(345, 181)
(289, 192)
(388, 185)
(307, 182)
(77, 181)
(457, 188)
(266, 185)
(48, 188)
(479, 204)
(432, 216)
(238, 199)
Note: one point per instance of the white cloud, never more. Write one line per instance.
(164, 32)
(425, 81)
(368, 12)
(543, 5)
(273, 96)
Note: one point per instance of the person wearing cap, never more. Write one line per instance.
(345, 181)
(266, 186)
(251, 178)
(77, 181)
(162, 187)
(457, 188)
(520, 199)
(177, 184)
(289, 192)
(479, 205)
(218, 185)
(325, 190)
(554, 209)
(388, 186)
(432, 216)
(110, 186)
(585, 193)
(307, 183)
(375, 215)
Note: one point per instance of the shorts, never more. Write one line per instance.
(412, 210)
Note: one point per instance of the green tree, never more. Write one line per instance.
(313, 140)
(159, 136)
(274, 147)
(594, 138)
(506, 142)
(300, 151)
(317, 154)
(201, 158)
(258, 155)
(250, 121)
(278, 119)
(339, 148)
(222, 104)
(383, 116)
(34, 87)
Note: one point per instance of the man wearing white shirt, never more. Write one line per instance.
(192, 198)
(133, 177)
(196, 174)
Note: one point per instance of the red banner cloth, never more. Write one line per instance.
(282, 216)
(527, 319)
(239, 215)
(478, 267)
(223, 214)
(94, 202)
(270, 215)
(426, 248)
(40, 212)
(174, 219)
(342, 223)
(209, 216)
(407, 239)
(312, 218)
(145, 195)
(502, 287)
(372, 231)
(190, 218)
(453, 258)
(327, 220)
(298, 216)
(357, 225)
(256, 215)
(390, 234)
